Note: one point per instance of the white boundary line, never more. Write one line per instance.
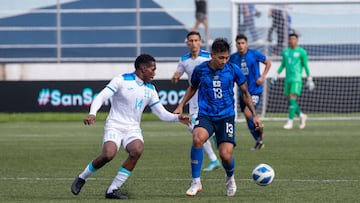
(176, 179)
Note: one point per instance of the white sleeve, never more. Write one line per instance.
(164, 115)
(180, 68)
(104, 95)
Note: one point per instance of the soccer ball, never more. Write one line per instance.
(263, 174)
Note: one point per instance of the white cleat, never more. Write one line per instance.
(194, 189)
(288, 125)
(303, 121)
(230, 186)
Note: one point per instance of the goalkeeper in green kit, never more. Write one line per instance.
(294, 60)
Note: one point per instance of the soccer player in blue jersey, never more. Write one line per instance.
(214, 81)
(186, 65)
(248, 60)
(130, 93)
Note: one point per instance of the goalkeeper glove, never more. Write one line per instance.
(273, 80)
(310, 85)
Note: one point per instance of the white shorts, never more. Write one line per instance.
(122, 137)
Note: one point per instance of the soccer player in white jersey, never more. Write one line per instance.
(130, 93)
(186, 65)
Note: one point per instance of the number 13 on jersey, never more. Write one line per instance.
(217, 89)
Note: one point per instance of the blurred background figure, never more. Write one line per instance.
(248, 12)
(201, 18)
(280, 23)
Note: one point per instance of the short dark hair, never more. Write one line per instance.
(193, 33)
(220, 45)
(241, 36)
(293, 35)
(143, 59)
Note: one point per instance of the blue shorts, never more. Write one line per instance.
(224, 129)
(256, 98)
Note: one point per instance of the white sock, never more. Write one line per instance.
(119, 179)
(209, 151)
(196, 180)
(88, 171)
(290, 121)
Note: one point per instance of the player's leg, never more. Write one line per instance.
(287, 92)
(134, 146)
(298, 112)
(256, 132)
(214, 162)
(200, 135)
(293, 91)
(111, 145)
(225, 134)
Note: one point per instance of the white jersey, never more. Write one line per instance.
(130, 95)
(187, 65)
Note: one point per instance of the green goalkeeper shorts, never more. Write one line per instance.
(292, 88)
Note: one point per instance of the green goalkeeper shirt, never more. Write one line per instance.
(294, 60)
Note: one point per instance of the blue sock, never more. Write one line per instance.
(256, 134)
(229, 168)
(196, 156)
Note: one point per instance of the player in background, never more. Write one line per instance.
(131, 93)
(248, 60)
(214, 80)
(294, 60)
(186, 65)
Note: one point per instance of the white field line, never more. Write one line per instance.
(177, 179)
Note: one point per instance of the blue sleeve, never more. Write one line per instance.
(239, 76)
(259, 56)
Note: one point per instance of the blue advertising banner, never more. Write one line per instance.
(71, 96)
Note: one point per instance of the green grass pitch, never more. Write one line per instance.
(39, 160)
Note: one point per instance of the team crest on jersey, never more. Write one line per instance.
(296, 54)
(217, 83)
(147, 93)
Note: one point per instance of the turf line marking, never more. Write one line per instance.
(172, 179)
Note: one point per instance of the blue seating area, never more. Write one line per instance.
(98, 34)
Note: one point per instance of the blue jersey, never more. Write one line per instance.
(216, 89)
(249, 64)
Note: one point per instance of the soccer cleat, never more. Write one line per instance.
(303, 121)
(288, 125)
(115, 194)
(230, 185)
(213, 165)
(194, 189)
(77, 185)
(258, 146)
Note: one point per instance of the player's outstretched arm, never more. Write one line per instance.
(190, 91)
(164, 115)
(90, 119)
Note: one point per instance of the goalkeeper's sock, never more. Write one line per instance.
(293, 107)
(256, 134)
(88, 171)
(229, 168)
(122, 175)
(196, 155)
